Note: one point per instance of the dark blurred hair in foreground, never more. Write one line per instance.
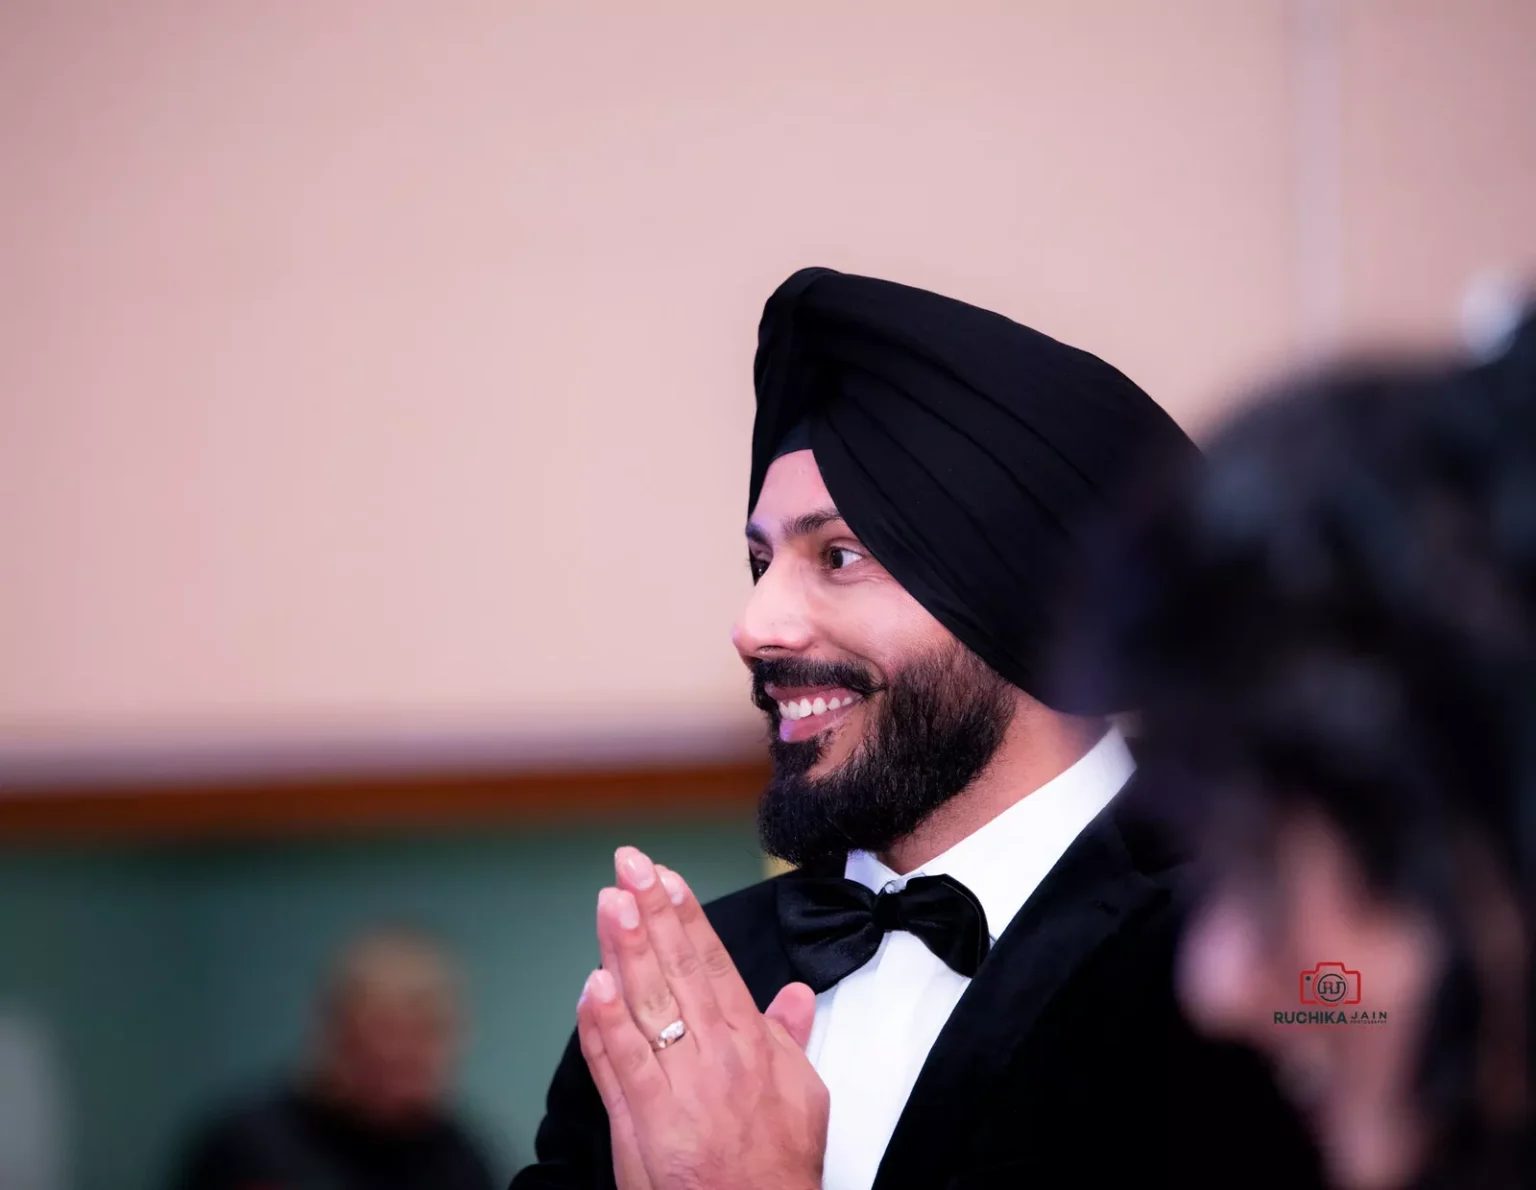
(1335, 612)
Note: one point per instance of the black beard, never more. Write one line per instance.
(935, 726)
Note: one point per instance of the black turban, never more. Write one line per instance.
(965, 451)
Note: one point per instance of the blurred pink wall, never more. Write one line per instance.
(381, 371)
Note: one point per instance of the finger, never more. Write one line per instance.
(794, 1011)
(644, 988)
(640, 1079)
(628, 1167)
(680, 963)
(607, 945)
(601, 1069)
(731, 992)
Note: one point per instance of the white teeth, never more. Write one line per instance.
(805, 707)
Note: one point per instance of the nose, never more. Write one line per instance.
(1221, 971)
(776, 618)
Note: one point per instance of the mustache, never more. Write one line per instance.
(805, 671)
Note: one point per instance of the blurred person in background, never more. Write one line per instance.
(373, 1111)
(1330, 632)
(973, 962)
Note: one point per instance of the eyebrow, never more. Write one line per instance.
(804, 525)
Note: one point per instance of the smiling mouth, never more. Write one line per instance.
(804, 713)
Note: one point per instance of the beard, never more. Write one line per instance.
(932, 730)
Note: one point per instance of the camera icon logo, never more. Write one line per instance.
(1330, 983)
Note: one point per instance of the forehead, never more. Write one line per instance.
(792, 486)
(383, 1005)
(392, 973)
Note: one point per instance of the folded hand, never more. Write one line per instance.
(731, 1102)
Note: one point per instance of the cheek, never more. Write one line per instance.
(1335, 918)
(879, 622)
(1323, 911)
(844, 740)
(1400, 967)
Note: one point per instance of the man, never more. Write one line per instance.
(982, 910)
(373, 1115)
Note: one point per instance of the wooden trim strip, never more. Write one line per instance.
(300, 806)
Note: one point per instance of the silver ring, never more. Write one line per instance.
(672, 1033)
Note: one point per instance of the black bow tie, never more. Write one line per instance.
(831, 927)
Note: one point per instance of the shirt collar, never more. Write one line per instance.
(1006, 859)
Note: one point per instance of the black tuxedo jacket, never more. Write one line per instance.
(1065, 1064)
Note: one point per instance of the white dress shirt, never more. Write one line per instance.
(873, 1030)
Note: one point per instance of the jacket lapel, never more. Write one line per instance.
(1093, 888)
(765, 965)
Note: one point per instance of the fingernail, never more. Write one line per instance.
(601, 987)
(639, 869)
(673, 883)
(629, 912)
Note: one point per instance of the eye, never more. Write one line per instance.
(840, 556)
(758, 567)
